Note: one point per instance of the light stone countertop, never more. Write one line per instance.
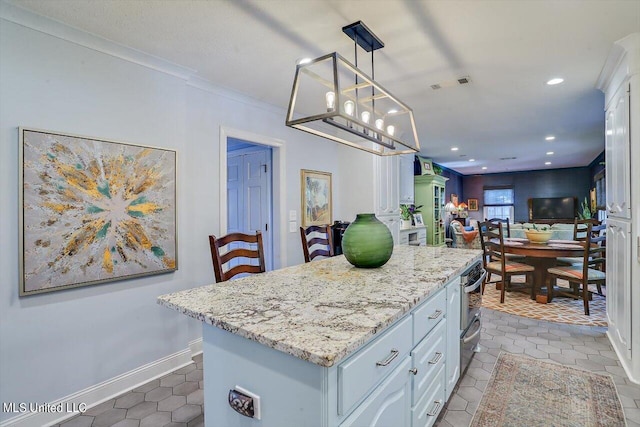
(324, 310)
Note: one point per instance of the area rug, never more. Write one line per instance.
(528, 392)
(561, 309)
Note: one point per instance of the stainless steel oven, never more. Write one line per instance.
(470, 317)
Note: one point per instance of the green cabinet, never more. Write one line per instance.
(429, 192)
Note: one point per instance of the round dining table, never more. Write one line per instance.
(542, 256)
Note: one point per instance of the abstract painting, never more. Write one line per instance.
(316, 197)
(93, 211)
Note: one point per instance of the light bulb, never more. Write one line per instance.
(391, 129)
(349, 106)
(331, 100)
(365, 116)
(379, 125)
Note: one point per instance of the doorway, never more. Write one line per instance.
(249, 191)
(278, 234)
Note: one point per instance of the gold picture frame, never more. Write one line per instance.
(472, 204)
(317, 207)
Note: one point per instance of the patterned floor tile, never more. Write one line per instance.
(556, 343)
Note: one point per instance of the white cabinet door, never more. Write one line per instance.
(389, 404)
(619, 290)
(453, 337)
(393, 222)
(618, 153)
(406, 179)
(387, 185)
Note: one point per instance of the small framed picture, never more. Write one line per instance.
(316, 197)
(417, 218)
(426, 166)
(473, 204)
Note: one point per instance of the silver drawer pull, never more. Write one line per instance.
(436, 409)
(414, 371)
(393, 355)
(436, 359)
(436, 314)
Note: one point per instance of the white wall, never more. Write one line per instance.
(56, 344)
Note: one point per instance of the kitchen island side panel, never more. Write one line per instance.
(281, 380)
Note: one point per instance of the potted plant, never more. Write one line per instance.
(406, 215)
(585, 210)
(538, 235)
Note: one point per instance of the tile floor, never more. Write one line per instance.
(176, 400)
(584, 347)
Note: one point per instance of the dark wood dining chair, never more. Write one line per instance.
(242, 252)
(505, 225)
(580, 227)
(580, 276)
(503, 221)
(497, 262)
(317, 240)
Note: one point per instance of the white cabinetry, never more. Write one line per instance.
(620, 81)
(406, 179)
(393, 222)
(619, 283)
(413, 236)
(617, 153)
(386, 178)
(453, 336)
(388, 405)
(414, 393)
(386, 192)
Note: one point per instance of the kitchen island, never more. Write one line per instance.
(301, 338)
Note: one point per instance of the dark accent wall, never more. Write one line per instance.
(570, 182)
(454, 185)
(596, 167)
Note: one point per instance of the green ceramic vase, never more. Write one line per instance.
(367, 242)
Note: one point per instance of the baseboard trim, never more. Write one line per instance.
(106, 390)
(623, 361)
(196, 347)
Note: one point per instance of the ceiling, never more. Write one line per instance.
(509, 49)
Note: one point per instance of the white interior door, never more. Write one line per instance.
(249, 195)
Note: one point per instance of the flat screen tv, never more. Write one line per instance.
(553, 208)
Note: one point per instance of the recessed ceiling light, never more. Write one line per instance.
(549, 153)
(304, 61)
(555, 81)
(550, 138)
(547, 163)
(472, 160)
(454, 148)
(484, 168)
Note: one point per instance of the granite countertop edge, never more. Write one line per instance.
(298, 349)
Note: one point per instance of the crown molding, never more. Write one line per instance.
(57, 29)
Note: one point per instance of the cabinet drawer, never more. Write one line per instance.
(425, 413)
(360, 372)
(388, 405)
(427, 316)
(428, 358)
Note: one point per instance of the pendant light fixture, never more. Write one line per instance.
(334, 99)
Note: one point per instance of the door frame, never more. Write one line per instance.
(278, 183)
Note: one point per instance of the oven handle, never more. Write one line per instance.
(468, 339)
(476, 284)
